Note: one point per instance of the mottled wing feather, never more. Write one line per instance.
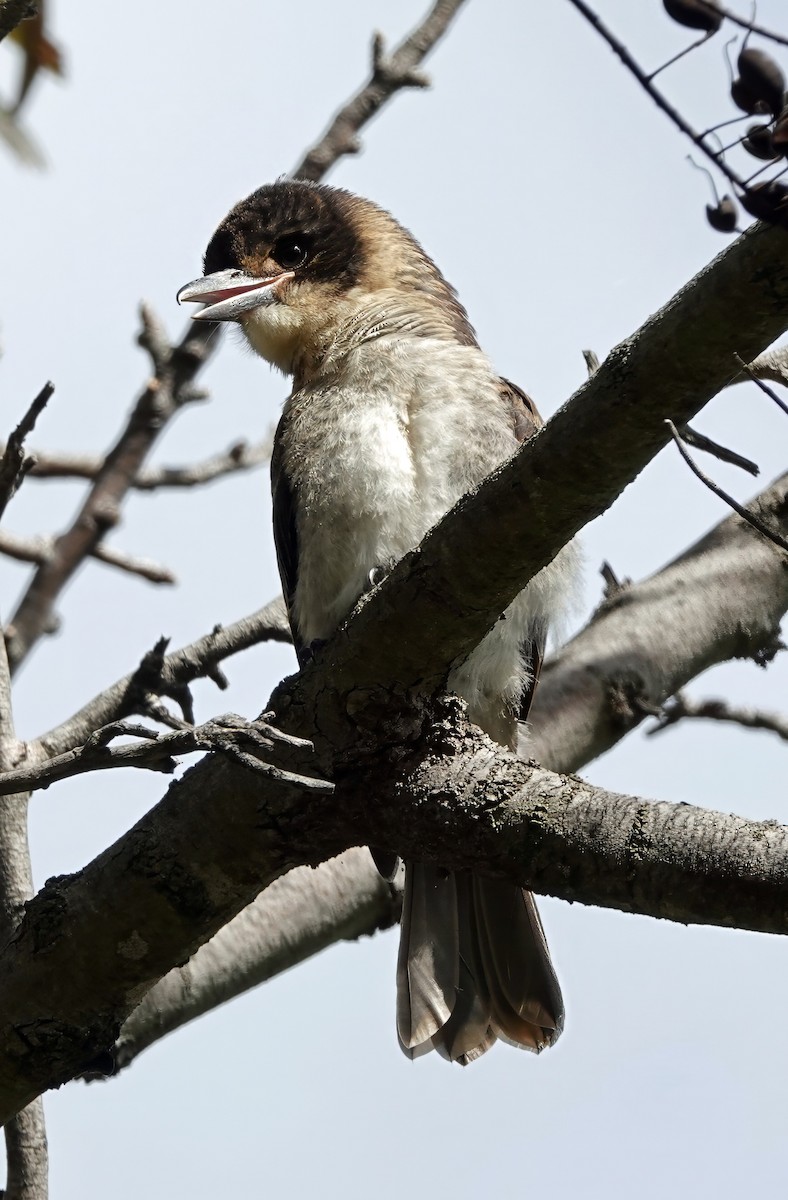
(285, 536)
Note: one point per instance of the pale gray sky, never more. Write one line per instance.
(558, 201)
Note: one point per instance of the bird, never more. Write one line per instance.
(395, 413)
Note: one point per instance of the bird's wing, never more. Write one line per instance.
(285, 536)
(526, 421)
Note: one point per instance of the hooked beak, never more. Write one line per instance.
(229, 294)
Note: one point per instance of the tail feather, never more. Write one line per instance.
(473, 966)
(469, 1030)
(526, 998)
(428, 967)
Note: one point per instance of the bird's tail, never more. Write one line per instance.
(473, 966)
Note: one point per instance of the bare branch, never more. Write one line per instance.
(106, 933)
(771, 365)
(390, 73)
(167, 675)
(682, 708)
(758, 377)
(164, 395)
(156, 752)
(40, 550)
(25, 1133)
(743, 23)
(753, 520)
(239, 457)
(645, 81)
(699, 440)
(721, 599)
(553, 835)
(14, 464)
(296, 917)
(592, 694)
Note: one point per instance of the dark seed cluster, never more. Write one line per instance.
(758, 88)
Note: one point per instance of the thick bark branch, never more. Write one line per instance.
(186, 868)
(296, 917)
(726, 595)
(569, 473)
(218, 837)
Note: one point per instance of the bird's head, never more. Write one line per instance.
(296, 262)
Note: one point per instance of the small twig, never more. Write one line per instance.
(613, 585)
(241, 456)
(390, 74)
(618, 47)
(744, 513)
(681, 708)
(14, 464)
(748, 369)
(40, 550)
(743, 23)
(145, 568)
(700, 442)
(591, 361)
(161, 674)
(157, 752)
(164, 395)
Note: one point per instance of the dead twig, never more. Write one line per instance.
(661, 101)
(241, 456)
(390, 74)
(744, 513)
(165, 394)
(15, 464)
(681, 708)
(40, 550)
(230, 734)
(169, 675)
(700, 442)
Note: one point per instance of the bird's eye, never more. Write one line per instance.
(291, 251)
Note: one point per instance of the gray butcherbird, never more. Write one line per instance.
(394, 414)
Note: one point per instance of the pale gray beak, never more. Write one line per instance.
(229, 294)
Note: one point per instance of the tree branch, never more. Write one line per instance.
(728, 593)
(166, 675)
(682, 708)
(239, 457)
(297, 916)
(41, 550)
(390, 74)
(14, 464)
(723, 598)
(25, 1132)
(165, 394)
(117, 927)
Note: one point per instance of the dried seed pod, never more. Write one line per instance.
(745, 99)
(695, 14)
(722, 216)
(762, 78)
(768, 202)
(758, 142)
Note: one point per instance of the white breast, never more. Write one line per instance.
(377, 455)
